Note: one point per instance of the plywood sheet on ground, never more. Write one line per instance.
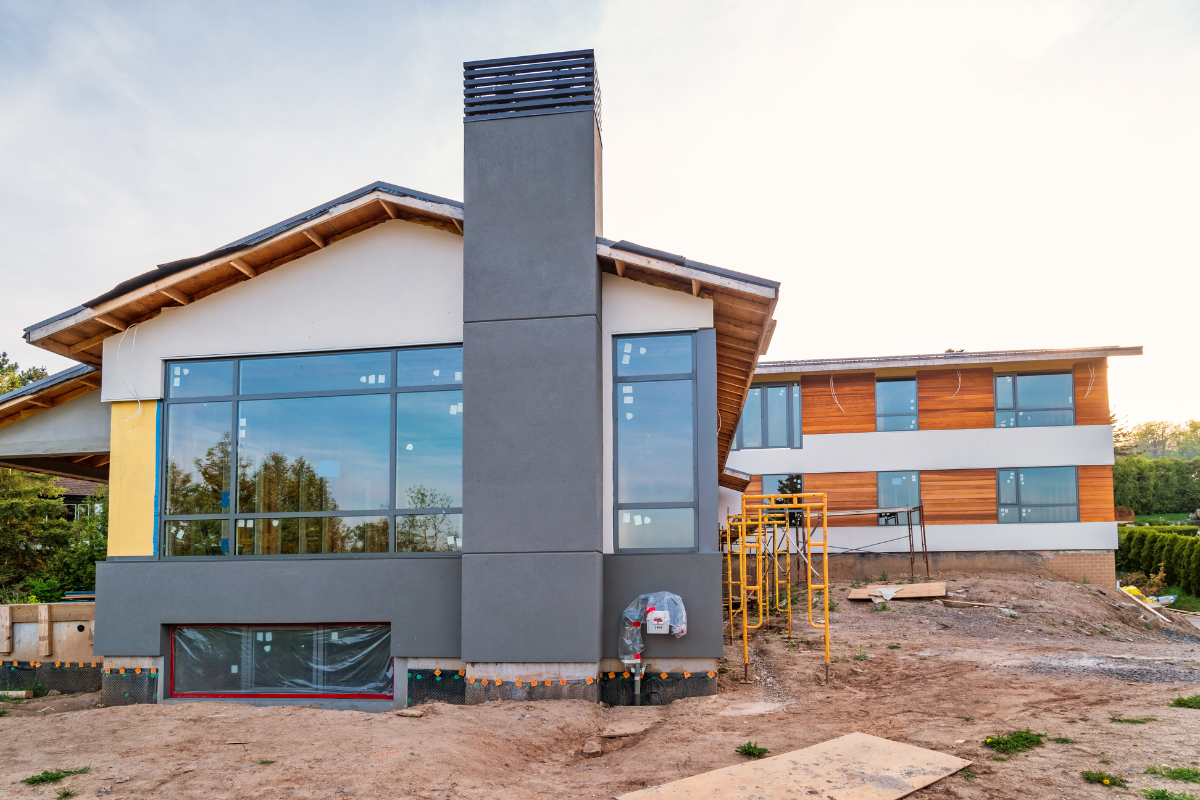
(904, 591)
(852, 767)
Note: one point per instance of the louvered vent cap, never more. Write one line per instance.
(551, 83)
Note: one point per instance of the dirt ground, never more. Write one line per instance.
(932, 676)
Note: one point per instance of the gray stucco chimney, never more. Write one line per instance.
(533, 445)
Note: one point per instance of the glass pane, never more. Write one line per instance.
(1045, 419)
(200, 379)
(197, 537)
(198, 445)
(1004, 393)
(896, 397)
(1045, 391)
(659, 528)
(655, 443)
(1007, 478)
(1047, 486)
(433, 367)
(357, 658)
(907, 423)
(429, 449)
(898, 490)
(427, 533)
(313, 454)
(1049, 514)
(309, 535)
(1008, 514)
(752, 419)
(777, 408)
(208, 660)
(314, 373)
(654, 355)
(797, 420)
(1006, 419)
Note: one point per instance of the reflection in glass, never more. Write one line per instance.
(1047, 486)
(429, 436)
(777, 406)
(197, 537)
(200, 379)
(751, 424)
(896, 423)
(311, 535)
(797, 420)
(1004, 392)
(313, 454)
(314, 373)
(1007, 479)
(1045, 419)
(1045, 391)
(1008, 514)
(431, 367)
(198, 448)
(898, 490)
(427, 533)
(655, 442)
(654, 355)
(896, 397)
(1006, 419)
(660, 528)
(1049, 514)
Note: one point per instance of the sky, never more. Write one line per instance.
(919, 175)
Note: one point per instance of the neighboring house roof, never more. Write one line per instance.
(47, 392)
(953, 359)
(77, 487)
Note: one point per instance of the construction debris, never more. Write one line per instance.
(899, 591)
(411, 712)
(591, 749)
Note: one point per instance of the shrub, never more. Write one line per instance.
(751, 750)
(1105, 778)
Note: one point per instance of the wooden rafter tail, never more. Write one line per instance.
(241, 266)
(391, 212)
(176, 295)
(88, 344)
(111, 321)
(317, 238)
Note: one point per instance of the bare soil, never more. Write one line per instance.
(920, 673)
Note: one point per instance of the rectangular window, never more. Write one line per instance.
(281, 661)
(654, 405)
(896, 404)
(1032, 401)
(1037, 494)
(332, 454)
(770, 418)
(898, 490)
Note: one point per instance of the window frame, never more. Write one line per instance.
(617, 380)
(916, 396)
(163, 519)
(1019, 505)
(1016, 406)
(795, 427)
(916, 518)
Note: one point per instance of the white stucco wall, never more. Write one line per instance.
(632, 307)
(972, 538)
(396, 284)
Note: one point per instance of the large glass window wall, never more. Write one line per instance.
(335, 454)
(1037, 494)
(1035, 401)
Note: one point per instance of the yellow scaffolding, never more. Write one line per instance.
(758, 551)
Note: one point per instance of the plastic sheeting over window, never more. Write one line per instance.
(282, 660)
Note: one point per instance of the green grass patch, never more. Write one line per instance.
(1187, 774)
(1104, 778)
(1167, 794)
(1132, 720)
(1186, 702)
(893, 647)
(1152, 518)
(54, 776)
(1062, 740)
(266, 761)
(1015, 742)
(999, 758)
(66, 792)
(751, 750)
(1183, 601)
(967, 774)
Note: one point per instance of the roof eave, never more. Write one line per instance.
(942, 359)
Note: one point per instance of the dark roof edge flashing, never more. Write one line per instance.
(33, 387)
(683, 261)
(949, 359)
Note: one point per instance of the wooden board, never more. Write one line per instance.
(846, 491)
(852, 767)
(853, 411)
(1091, 407)
(959, 496)
(59, 612)
(1096, 494)
(908, 591)
(955, 399)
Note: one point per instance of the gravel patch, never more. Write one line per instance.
(1133, 670)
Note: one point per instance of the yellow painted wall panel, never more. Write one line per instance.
(132, 478)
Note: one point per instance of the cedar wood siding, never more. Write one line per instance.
(959, 496)
(755, 486)
(944, 405)
(855, 393)
(1096, 493)
(1091, 407)
(846, 491)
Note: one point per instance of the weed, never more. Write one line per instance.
(1131, 720)
(1015, 742)
(883, 578)
(857, 584)
(999, 758)
(1186, 774)
(967, 718)
(1085, 580)
(893, 647)
(55, 776)
(266, 761)
(879, 607)
(860, 654)
(1105, 778)
(67, 792)
(3, 711)
(1165, 794)
(751, 750)
(967, 774)
(1186, 702)
(1062, 740)
(1105, 761)
(722, 670)
(983, 702)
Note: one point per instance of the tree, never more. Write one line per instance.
(1123, 441)
(12, 377)
(75, 565)
(422, 533)
(33, 525)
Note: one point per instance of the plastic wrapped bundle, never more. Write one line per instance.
(632, 618)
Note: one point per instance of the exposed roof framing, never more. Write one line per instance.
(55, 390)
(80, 332)
(942, 359)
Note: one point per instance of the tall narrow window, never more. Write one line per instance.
(770, 418)
(896, 404)
(1035, 401)
(898, 490)
(654, 403)
(1037, 494)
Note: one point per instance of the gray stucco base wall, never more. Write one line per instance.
(137, 601)
(695, 577)
(532, 607)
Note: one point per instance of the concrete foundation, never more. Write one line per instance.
(1081, 566)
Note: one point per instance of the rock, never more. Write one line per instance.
(53, 693)
(411, 712)
(105, 790)
(591, 749)
(939, 603)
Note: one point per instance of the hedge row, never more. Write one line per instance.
(1182, 530)
(1157, 486)
(1144, 549)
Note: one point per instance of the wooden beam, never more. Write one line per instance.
(92, 380)
(695, 287)
(6, 629)
(110, 321)
(37, 401)
(317, 238)
(102, 460)
(241, 265)
(87, 344)
(45, 639)
(391, 212)
(620, 267)
(175, 295)
(457, 224)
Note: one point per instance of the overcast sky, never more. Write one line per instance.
(919, 175)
